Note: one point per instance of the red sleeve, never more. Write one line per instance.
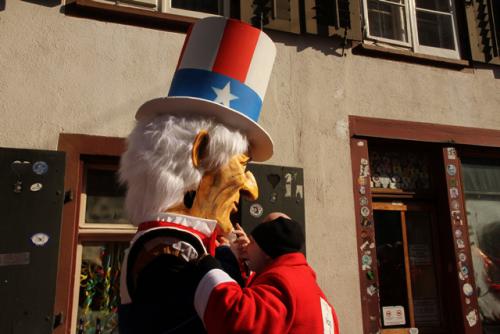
(265, 307)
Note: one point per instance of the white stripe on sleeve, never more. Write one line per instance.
(326, 313)
(211, 279)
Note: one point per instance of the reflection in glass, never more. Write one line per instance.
(437, 5)
(482, 202)
(205, 6)
(387, 20)
(403, 170)
(99, 288)
(435, 30)
(105, 197)
(426, 300)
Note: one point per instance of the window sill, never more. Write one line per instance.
(408, 56)
(129, 15)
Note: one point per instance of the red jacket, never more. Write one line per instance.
(284, 298)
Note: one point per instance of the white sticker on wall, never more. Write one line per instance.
(393, 315)
(256, 210)
(40, 239)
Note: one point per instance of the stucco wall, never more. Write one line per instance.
(74, 75)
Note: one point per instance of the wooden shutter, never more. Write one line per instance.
(333, 17)
(483, 21)
(280, 15)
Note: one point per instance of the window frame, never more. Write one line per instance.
(165, 6)
(412, 31)
(73, 235)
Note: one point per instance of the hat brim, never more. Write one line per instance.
(261, 144)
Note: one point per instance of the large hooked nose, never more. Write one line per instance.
(250, 190)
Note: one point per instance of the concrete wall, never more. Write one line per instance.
(74, 75)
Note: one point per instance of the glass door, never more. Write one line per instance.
(408, 265)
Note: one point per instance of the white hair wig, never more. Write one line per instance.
(157, 166)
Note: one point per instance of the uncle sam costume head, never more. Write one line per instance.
(185, 168)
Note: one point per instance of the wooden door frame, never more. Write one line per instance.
(364, 128)
(75, 146)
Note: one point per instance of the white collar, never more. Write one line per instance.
(203, 225)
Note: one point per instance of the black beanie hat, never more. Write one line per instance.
(279, 236)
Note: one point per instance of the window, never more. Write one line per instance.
(193, 8)
(94, 235)
(102, 234)
(424, 26)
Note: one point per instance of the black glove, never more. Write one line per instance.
(204, 265)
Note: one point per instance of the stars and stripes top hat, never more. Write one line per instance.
(223, 72)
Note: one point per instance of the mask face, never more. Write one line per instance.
(220, 190)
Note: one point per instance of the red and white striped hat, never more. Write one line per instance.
(223, 72)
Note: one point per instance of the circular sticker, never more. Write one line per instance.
(460, 243)
(40, 239)
(366, 259)
(365, 211)
(256, 210)
(363, 201)
(462, 257)
(458, 233)
(451, 169)
(40, 167)
(464, 270)
(36, 186)
(467, 288)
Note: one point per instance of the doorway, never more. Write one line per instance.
(410, 267)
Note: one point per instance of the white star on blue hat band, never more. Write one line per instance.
(217, 88)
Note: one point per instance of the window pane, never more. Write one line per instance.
(482, 202)
(105, 197)
(205, 6)
(437, 5)
(387, 21)
(422, 267)
(390, 260)
(407, 171)
(100, 288)
(435, 30)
